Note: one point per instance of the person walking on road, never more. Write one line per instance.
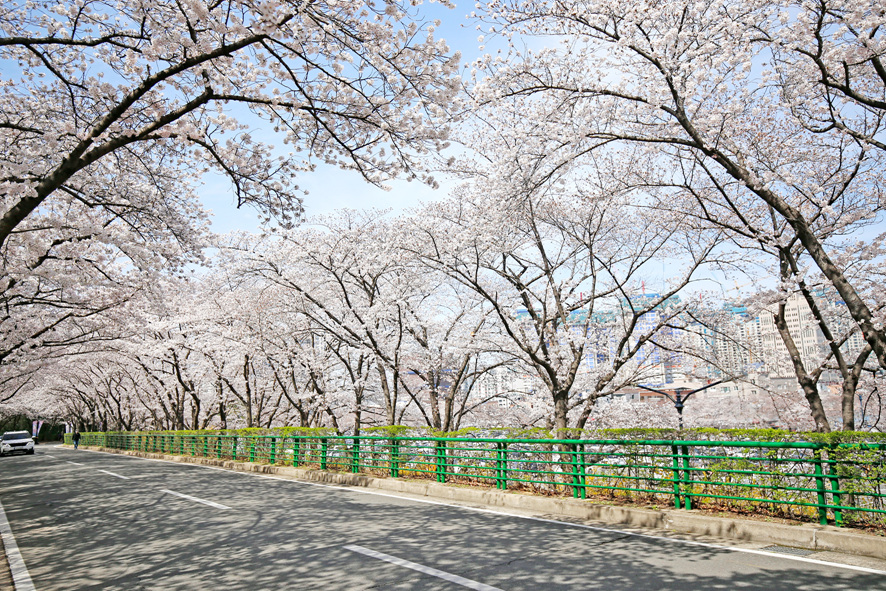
(76, 439)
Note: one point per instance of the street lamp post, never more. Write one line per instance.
(680, 396)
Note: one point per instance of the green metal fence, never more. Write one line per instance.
(836, 483)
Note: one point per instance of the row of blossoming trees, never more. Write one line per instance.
(677, 145)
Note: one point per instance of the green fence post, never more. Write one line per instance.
(820, 488)
(676, 470)
(296, 451)
(441, 461)
(323, 454)
(355, 456)
(687, 479)
(497, 465)
(273, 450)
(395, 459)
(833, 476)
(578, 472)
(502, 465)
(181, 445)
(234, 447)
(252, 449)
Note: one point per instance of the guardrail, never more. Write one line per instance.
(836, 483)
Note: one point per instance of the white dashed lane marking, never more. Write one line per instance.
(423, 569)
(195, 499)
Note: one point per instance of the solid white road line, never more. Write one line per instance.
(75, 463)
(21, 580)
(423, 569)
(113, 474)
(862, 569)
(196, 500)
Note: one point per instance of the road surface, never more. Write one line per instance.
(89, 520)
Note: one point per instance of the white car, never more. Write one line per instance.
(16, 442)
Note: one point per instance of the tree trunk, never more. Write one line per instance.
(850, 387)
(561, 408)
(809, 386)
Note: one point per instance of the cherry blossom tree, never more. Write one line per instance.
(453, 344)
(562, 270)
(838, 214)
(130, 92)
(406, 338)
(711, 87)
(829, 60)
(111, 113)
(345, 281)
(269, 365)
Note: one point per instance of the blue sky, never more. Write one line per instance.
(329, 188)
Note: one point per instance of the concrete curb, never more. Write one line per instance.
(801, 535)
(5, 573)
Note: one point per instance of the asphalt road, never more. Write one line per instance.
(85, 520)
